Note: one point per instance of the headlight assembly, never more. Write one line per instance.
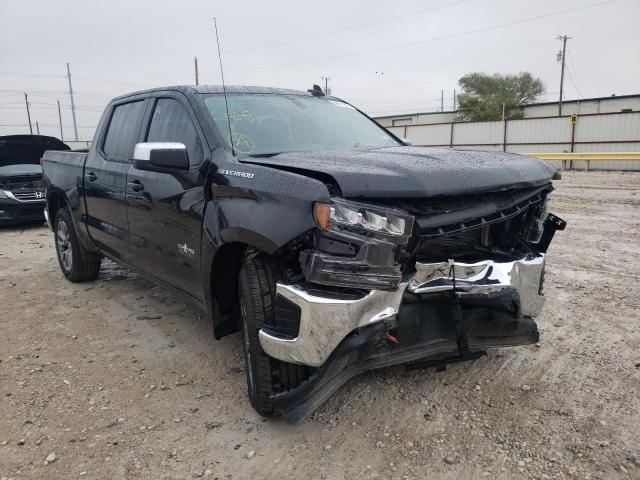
(540, 214)
(344, 215)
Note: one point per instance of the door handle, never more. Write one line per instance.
(136, 186)
(91, 177)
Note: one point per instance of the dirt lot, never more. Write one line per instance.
(121, 379)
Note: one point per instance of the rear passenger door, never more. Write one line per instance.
(165, 209)
(105, 178)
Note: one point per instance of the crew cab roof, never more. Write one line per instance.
(195, 89)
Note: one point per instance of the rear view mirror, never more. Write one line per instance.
(161, 156)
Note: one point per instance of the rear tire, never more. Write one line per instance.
(71, 255)
(265, 375)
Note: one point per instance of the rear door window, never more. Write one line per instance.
(171, 123)
(123, 131)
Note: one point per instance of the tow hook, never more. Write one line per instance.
(390, 338)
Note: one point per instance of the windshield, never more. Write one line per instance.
(267, 124)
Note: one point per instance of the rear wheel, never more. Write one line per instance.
(265, 375)
(71, 255)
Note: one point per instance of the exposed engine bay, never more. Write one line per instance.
(497, 226)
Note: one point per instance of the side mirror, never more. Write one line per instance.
(164, 157)
(407, 142)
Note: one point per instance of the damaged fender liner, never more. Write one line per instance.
(437, 342)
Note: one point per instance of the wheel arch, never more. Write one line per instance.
(223, 287)
(56, 200)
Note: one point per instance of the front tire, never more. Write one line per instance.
(71, 255)
(265, 375)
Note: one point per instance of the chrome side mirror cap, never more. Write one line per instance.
(161, 156)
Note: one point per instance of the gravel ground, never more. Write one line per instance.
(118, 378)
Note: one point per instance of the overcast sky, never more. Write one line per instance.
(421, 46)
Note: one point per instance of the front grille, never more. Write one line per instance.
(27, 184)
(29, 195)
(447, 215)
(444, 224)
(496, 227)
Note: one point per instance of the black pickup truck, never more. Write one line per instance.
(294, 218)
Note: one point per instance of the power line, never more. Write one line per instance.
(575, 87)
(46, 104)
(429, 40)
(41, 93)
(77, 77)
(32, 92)
(431, 65)
(29, 75)
(572, 76)
(43, 125)
(106, 82)
(346, 29)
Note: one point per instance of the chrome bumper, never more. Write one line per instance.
(326, 321)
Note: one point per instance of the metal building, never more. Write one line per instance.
(612, 104)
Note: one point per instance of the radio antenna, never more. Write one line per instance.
(224, 88)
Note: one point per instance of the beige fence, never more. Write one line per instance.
(597, 132)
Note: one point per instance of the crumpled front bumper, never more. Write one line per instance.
(326, 319)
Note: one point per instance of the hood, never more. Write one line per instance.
(415, 171)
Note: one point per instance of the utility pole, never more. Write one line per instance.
(26, 101)
(442, 100)
(37, 127)
(454, 99)
(73, 105)
(560, 57)
(195, 62)
(60, 118)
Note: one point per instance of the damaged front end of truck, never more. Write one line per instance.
(417, 281)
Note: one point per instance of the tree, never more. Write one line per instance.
(483, 95)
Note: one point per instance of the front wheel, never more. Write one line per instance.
(71, 255)
(265, 375)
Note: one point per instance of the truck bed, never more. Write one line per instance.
(63, 169)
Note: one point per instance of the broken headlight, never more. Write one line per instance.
(357, 245)
(342, 215)
(540, 214)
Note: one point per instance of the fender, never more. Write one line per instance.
(264, 209)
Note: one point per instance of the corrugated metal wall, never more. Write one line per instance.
(605, 132)
(536, 110)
